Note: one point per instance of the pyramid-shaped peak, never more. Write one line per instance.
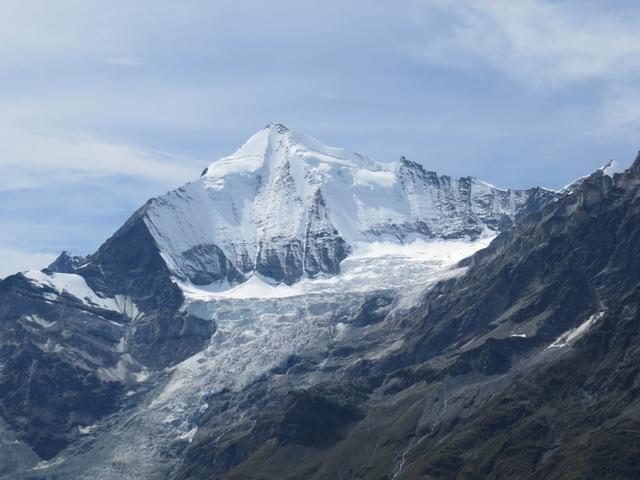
(65, 263)
(276, 144)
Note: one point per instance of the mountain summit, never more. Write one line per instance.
(286, 206)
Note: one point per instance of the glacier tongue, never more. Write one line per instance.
(260, 327)
(287, 207)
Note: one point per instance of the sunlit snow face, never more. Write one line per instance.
(283, 189)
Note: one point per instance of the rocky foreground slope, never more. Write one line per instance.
(302, 312)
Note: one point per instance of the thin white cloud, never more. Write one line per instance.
(28, 159)
(539, 43)
(12, 261)
(545, 46)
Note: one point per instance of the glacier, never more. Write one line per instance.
(260, 326)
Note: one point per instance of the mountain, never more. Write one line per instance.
(299, 311)
(287, 207)
(526, 366)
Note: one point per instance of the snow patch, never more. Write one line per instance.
(371, 178)
(73, 285)
(37, 319)
(261, 325)
(611, 168)
(44, 464)
(573, 334)
(50, 346)
(127, 307)
(113, 374)
(188, 436)
(87, 430)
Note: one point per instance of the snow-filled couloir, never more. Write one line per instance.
(286, 206)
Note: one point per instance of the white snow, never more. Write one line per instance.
(611, 168)
(259, 325)
(264, 192)
(44, 464)
(370, 178)
(76, 286)
(573, 334)
(37, 319)
(256, 286)
(125, 371)
(127, 307)
(86, 430)
(114, 374)
(73, 285)
(188, 436)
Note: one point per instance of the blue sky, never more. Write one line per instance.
(105, 104)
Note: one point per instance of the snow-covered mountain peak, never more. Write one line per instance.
(275, 145)
(287, 206)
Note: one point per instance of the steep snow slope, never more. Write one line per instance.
(286, 206)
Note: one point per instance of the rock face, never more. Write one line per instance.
(65, 263)
(59, 363)
(130, 266)
(72, 344)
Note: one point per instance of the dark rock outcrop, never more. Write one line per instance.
(129, 264)
(65, 263)
(53, 353)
